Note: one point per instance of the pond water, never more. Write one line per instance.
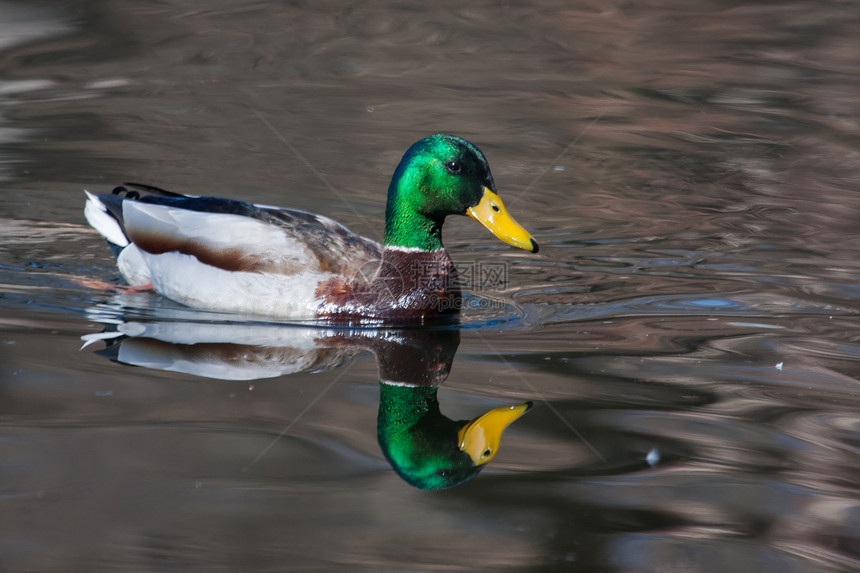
(688, 333)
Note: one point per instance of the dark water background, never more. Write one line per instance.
(691, 170)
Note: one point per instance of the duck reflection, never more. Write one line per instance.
(424, 447)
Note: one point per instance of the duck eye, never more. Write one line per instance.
(443, 473)
(453, 167)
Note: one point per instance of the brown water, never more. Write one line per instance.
(691, 171)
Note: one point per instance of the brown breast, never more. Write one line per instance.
(403, 287)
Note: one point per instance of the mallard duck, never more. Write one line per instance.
(228, 255)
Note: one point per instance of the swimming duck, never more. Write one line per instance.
(228, 255)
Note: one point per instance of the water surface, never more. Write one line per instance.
(688, 332)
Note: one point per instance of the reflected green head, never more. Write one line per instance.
(418, 441)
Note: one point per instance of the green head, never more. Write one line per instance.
(430, 451)
(445, 175)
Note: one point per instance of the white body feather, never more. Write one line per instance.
(99, 219)
(133, 267)
(219, 232)
(184, 278)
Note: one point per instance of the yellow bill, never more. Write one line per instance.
(491, 213)
(480, 438)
